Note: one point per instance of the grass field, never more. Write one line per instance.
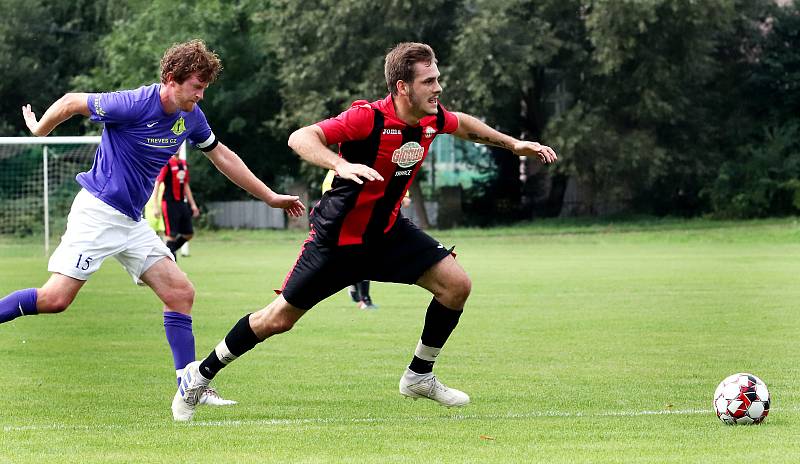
(580, 343)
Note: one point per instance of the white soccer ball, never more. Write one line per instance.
(742, 399)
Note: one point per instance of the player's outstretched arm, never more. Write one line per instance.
(229, 163)
(309, 142)
(64, 108)
(473, 129)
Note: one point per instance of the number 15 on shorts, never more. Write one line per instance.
(83, 263)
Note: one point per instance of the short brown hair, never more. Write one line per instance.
(399, 64)
(188, 58)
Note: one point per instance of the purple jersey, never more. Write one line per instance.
(138, 139)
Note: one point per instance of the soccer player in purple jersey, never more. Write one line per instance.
(143, 128)
(357, 230)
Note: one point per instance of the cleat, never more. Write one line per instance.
(353, 291)
(367, 303)
(190, 389)
(210, 397)
(415, 386)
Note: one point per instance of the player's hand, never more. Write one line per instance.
(156, 213)
(30, 119)
(195, 211)
(356, 172)
(290, 203)
(543, 152)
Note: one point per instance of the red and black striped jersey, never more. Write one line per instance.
(373, 135)
(175, 175)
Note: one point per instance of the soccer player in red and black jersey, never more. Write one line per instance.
(357, 231)
(177, 203)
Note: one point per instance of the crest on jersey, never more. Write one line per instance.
(408, 155)
(181, 175)
(179, 127)
(429, 132)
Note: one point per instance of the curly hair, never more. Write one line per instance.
(399, 64)
(189, 58)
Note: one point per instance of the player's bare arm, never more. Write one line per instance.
(310, 144)
(192, 204)
(229, 163)
(472, 129)
(64, 108)
(157, 198)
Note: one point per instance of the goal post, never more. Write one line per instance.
(37, 182)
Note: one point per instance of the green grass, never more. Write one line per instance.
(581, 342)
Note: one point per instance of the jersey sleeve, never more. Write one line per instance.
(450, 121)
(163, 173)
(353, 124)
(113, 107)
(200, 134)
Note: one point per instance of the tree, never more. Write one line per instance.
(239, 105)
(44, 46)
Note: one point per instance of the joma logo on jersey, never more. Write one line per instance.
(392, 132)
(179, 127)
(408, 155)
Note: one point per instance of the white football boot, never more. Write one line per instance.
(415, 386)
(210, 397)
(191, 388)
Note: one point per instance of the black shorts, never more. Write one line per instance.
(321, 270)
(177, 218)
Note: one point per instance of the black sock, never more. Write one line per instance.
(440, 321)
(363, 290)
(179, 241)
(171, 244)
(239, 341)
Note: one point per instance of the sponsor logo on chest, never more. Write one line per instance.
(408, 155)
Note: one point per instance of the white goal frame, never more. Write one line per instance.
(64, 140)
(45, 141)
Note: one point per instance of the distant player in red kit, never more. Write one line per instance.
(357, 230)
(177, 204)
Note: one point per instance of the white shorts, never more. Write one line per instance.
(96, 231)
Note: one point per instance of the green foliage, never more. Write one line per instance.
(238, 105)
(761, 173)
(44, 45)
(643, 100)
(331, 52)
(763, 178)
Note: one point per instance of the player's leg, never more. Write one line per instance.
(316, 275)
(90, 237)
(53, 297)
(173, 288)
(421, 260)
(365, 301)
(354, 293)
(252, 329)
(450, 286)
(182, 230)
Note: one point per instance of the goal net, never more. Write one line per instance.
(37, 183)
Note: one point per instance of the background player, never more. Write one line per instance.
(143, 128)
(357, 231)
(177, 205)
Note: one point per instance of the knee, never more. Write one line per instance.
(455, 291)
(266, 324)
(182, 297)
(52, 303)
(461, 287)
